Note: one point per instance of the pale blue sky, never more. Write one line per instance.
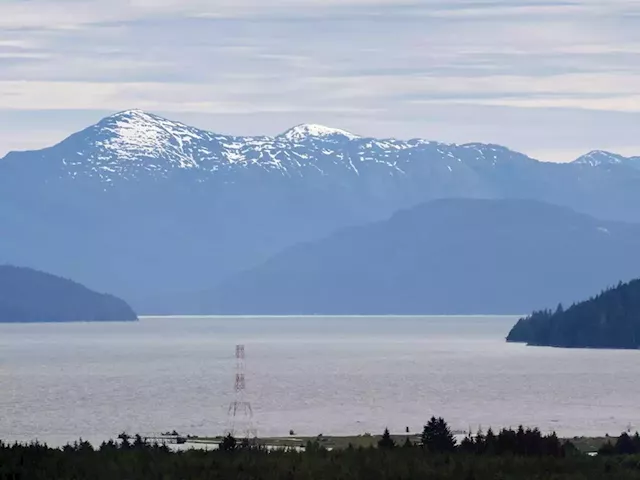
(553, 79)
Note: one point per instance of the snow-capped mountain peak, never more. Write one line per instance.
(596, 158)
(135, 114)
(141, 129)
(136, 125)
(135, 134)
(309, 130)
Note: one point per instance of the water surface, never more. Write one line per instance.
(59, 382)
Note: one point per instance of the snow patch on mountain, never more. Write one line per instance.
(310, 130)
(597, 158)
(133, 134)
(134, 144)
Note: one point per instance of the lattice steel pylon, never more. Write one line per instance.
(240, 411)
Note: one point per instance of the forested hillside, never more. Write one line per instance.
(608, 320)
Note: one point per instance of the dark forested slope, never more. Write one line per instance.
(31, 296)
(609, 320)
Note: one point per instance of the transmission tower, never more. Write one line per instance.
(240, 411)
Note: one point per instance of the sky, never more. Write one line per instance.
(553, 79)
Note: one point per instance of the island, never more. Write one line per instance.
(28, 295)
(608, 320)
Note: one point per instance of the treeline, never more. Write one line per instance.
(521, 454)
(624, 445)
(609, 320)
(438, 438)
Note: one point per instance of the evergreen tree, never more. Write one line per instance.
(228, 443)
(125, 438)
(467, 445)
(625, 445)
(138, 442)
(437, 437)
(490, 442)
(521, 441)
(480, 442)
(386, 441)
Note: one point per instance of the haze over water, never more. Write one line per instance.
(60, 382)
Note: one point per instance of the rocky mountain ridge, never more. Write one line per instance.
(132, 143)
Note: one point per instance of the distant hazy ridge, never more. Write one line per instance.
(443, 257)
(30, 296)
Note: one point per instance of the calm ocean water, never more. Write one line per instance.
(60, 382)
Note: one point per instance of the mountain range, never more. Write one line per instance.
(146, 207)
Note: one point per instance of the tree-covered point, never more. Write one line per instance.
(609, 320)
(521, 454)
(624, 445)
(28, 295)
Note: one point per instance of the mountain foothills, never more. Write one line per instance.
(144, 207)
(31, 296)
(457, 256)
(608, 320)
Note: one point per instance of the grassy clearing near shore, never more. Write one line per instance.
(590, 444)
(330, 442)
(583, 444)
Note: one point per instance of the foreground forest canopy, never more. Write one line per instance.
(28, 295)
(510, 454)
(609, 320)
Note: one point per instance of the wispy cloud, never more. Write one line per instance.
(235, 97)
(431, 67)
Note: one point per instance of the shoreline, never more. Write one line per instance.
(478, 315)
(582, 443)
(585, 444)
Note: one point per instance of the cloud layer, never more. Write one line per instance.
(554, 77)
